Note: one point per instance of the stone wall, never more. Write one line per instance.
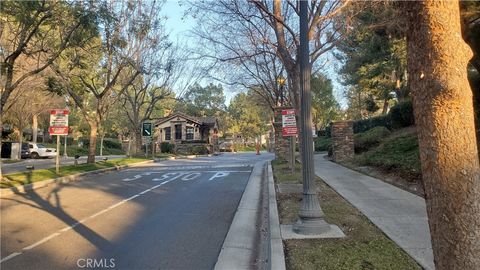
(342, 140)
(193, 148)
(282, 144)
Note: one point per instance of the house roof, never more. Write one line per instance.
(207, 121)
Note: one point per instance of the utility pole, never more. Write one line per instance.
(311, 215)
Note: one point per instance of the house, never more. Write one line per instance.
(187, 132)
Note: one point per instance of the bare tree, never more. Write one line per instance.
(96, 75)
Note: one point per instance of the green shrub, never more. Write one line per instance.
(366, 140)
(398, 154)
(166, 147)
(112, 143)
(322, 143)
(376, 121)
(402, 115)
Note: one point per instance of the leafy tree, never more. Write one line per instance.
(203, 101)
(248, 117)
(374, 56)
(325, 107)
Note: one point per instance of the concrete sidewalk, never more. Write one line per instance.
(401, 215)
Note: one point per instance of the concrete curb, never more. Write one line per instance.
(238, 249)
(65, 179)
(276, 255)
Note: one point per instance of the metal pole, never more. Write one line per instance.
(311, 215)
(65, 149)
(57, 158)
(292, 154)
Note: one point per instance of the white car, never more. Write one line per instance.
(38, 150)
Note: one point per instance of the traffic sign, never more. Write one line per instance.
(58, 122)
(147, 129)
(289, 123)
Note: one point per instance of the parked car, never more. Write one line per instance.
(25, 151)
(38, 150)
(227, 146)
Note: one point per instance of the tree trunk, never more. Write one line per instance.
(20, 141)
(101, 145)
(34, 128)
(385, 106)
(442, 100)
(93, 141)
(138, 141)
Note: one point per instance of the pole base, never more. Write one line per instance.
(311, 226)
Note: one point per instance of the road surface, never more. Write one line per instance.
(166, 215)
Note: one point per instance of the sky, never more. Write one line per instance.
(178, 25)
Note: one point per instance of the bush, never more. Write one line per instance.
(166, 147)
(112, 143)
(363, 125)
(398, 154)
(322, 143)
(402, 115)
(366, 140)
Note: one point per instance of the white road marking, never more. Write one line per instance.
(191, 176)
(42, 241)
(53, 235)
(218, 175)
(134, 178)
(10, 256)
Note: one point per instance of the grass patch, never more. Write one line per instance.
(370, 138)
(364, 247)
(22, 178)
(398, 154)
(282, 172)
(10, 161)
(73, 150)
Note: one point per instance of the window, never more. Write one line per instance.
(168, 134)
(178, 132)
(189, 133)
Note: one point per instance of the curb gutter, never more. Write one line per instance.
(239, 247)
(277, 257)
(64, 179)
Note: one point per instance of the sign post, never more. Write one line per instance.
(289, 129)
(58, 127)
(147, 134)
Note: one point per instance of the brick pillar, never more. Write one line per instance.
(342, 140)
(282, 144)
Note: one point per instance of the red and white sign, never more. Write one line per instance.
(58, 122)
(289, 123)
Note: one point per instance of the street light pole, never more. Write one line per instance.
(311, 215)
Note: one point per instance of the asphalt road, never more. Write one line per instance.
(167, 215)
(45, 163)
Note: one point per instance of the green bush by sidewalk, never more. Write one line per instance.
(371, 138)
(323, 143)
(398, 154)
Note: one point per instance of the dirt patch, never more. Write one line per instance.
(364, 247)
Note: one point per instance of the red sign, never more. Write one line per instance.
(58, 122)
(58, 130)
(289, 123)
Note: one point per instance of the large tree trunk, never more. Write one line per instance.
(138, 140)
(442, 99)
(93, 141)
(34, 128)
